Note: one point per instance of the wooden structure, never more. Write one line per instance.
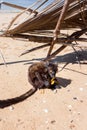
(59, 14)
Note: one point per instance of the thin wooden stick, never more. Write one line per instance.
(3, 58)
(13, 5)
(34, 49)
(57, 29)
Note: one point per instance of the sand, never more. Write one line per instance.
(64, 109)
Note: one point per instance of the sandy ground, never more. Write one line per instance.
(65, 109)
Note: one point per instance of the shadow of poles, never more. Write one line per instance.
(17, 62)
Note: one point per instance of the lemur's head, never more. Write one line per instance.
(51, 68)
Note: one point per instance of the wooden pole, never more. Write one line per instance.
(57, 29)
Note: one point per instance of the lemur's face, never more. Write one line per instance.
(52, 69)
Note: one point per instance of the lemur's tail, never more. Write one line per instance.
(9, 102)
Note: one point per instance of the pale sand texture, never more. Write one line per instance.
(64, 110)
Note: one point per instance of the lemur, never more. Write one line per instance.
(40, 75)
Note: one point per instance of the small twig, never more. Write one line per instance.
(34, 49)
(73, 70)
(3, 58)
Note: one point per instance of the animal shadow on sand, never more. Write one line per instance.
(63, 82)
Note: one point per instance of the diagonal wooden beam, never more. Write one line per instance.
(57, 29)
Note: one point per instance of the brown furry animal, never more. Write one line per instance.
(39, 75)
